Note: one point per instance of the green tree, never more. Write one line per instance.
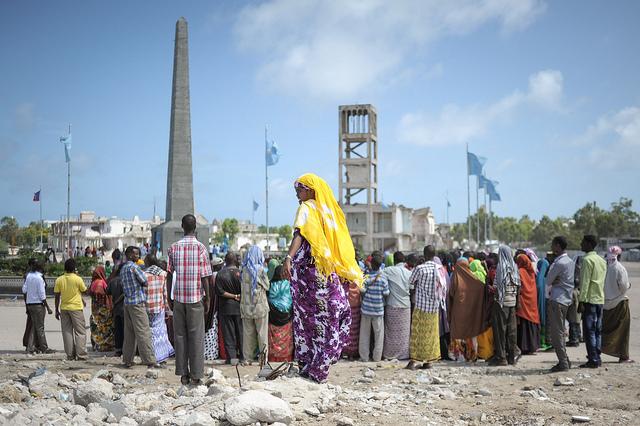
(30, 235)
(230, 228)
(285, 231)
(9, 230)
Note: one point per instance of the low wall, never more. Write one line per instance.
(13, 285)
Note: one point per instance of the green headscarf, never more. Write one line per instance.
(388, 261)
(271, 268)
(478, 270)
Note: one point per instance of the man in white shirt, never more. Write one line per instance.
(36, 301)
(616, 318)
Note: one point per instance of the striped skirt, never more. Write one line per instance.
(397, 330)
(424, 345)
(352, 350)
(159, 338)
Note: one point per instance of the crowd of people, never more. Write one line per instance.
(321, 303)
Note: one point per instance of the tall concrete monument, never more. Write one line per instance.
(180, 170)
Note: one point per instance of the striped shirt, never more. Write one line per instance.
(133, 279)
(375, 288)
(423, 279)
(156, 289)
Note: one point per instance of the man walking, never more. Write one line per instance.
(69, 310)
(592, 275)
(229, 288)
(36, 300)
(137, 332)
(188, 269)
(560, 280)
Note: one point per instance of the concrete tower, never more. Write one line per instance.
(358, 170)
(180, 170)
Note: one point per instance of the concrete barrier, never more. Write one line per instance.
(13, 285)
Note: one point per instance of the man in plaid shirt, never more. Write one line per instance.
(425, 337)
(137, 332)
(188, 269)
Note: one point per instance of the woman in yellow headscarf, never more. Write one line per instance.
(321, 258)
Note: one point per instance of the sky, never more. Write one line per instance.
(548, 91)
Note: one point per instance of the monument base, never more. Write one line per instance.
(168, 233)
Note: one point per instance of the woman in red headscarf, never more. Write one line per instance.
(101, 319)
(527, 308)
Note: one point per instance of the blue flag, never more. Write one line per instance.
(475, 164)
(255, 205)
(36, 196)
(66, 140)
(491, 190)
(483, 182)
(272, 154)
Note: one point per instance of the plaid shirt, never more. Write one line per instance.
(133, 279)
(189, 262)
(156, 289)
(424, 279)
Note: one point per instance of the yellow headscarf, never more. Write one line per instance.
(322, 223)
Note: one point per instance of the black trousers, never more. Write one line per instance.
(37, 313)
(118, 331)
(232, 333)
(505, 334)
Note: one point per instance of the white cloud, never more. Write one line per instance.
(459, 124)
(328, 49)
(614, 140)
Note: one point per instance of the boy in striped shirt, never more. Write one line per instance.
(374, 290)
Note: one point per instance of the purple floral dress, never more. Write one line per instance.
(321, 316)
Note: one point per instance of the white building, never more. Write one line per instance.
(90, 230)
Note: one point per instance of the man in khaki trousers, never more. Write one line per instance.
(69, 311)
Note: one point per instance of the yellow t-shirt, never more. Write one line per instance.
(70, 286)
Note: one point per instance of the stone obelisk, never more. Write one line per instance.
(180, 170)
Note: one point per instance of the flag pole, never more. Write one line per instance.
(485, 212)
(41, 223)
(468, 199)
(447, 196)
(490, 230)
(266, 184)
(69, 201)
(477, 210)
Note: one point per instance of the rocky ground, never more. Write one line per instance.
(46, 389)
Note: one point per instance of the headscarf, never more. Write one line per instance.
(271, 268)
(98, 281)
(443, 283)
(506, 272)
(612, 256)
(478, 270)
(322, 223)
(253, 263)
(528, 306)
(533, 257)
(388, 261)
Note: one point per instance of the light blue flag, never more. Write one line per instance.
(66, 140)
(491, 190)
(255, 205)
(475, 164)
(483, 182)
(272, 154)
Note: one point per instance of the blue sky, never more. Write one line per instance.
(549, 92)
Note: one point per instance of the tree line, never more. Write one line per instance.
(620, 220)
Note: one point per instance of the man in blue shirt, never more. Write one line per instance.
(137, 331)
(375, 288)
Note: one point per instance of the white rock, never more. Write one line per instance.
(198, 418)
(345, 421)
(95, 390)
(484, 392)
(128, 421)
(257, 406)
(117, 409)
(438, 381)
(44, 385)
(580, 419)
(119, 380)
(152, 374)
(564, 381)
(369, 373)
(312, 411)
